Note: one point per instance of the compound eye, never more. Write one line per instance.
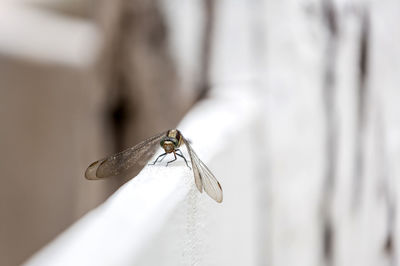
(175, 143)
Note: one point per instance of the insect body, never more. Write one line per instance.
(170, 141)
(173, 140)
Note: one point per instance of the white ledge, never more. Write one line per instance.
(160, 217)
(123, 222)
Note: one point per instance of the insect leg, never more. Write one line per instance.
(179, 151)
(164, 154)
(173, 159)
(181, 155)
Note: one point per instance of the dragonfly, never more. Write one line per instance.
(138, 155)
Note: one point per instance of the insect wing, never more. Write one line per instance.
(203, 176)
(196, 173)
(124, 161)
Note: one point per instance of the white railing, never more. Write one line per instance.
(159, 217)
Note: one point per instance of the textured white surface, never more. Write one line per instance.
(294, 74)
(159, 217)
(116, 231)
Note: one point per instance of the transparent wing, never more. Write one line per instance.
(203, 176)
(197, 176)
(124, 161)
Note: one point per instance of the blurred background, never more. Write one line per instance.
(82, 79)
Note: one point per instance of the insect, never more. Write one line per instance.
(170, 140)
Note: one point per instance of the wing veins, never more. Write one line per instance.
(208, 180)
(123, 161)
